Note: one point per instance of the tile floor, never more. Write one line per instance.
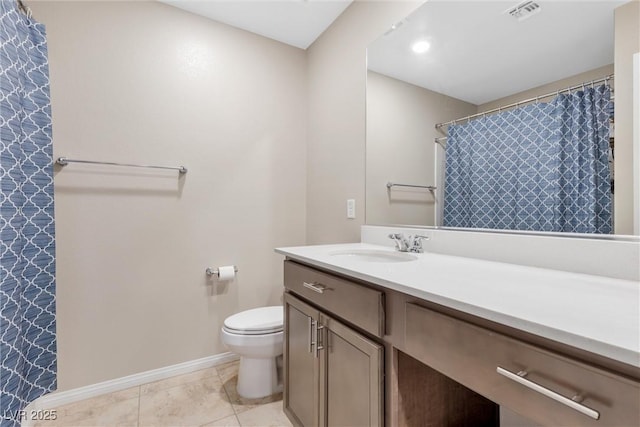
(202, 398)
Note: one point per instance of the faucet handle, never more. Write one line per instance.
(396, 239)
(416, 243)
(402, 244)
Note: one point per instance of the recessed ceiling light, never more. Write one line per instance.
(421, 46)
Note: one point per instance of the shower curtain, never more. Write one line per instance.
(27, 250)
(541, 167)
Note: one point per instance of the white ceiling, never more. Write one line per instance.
(479, 54)
(295, 22)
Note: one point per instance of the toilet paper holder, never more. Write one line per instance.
(214, 271)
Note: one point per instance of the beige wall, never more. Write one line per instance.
(627, 42)
(143, 82)
(401, 121)
(336, 141)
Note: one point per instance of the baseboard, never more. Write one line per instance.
(57, 399)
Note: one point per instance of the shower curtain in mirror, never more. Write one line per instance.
(541, 167)
(27, 257)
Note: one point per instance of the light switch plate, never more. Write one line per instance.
(351, 208)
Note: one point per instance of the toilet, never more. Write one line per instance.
(256, 336)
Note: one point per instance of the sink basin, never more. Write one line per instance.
(373, 255)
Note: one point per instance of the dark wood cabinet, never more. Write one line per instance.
(357, 354)
(332, 374)
(351, 375)
(301, 367)
(549, 388)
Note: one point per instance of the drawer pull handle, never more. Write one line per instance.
(572, 403)
(315, 287)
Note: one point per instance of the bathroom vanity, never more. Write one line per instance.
(333, 360)
(444, 341)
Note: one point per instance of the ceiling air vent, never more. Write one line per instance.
(524, 10)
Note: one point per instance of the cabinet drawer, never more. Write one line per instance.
(360, 305)
(473, 356)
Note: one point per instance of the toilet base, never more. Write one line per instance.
(258, 377)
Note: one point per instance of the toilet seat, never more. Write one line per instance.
(258, 321)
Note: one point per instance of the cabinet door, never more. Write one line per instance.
(301, 366)
(351, 376)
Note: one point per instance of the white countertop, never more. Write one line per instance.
(593, 313)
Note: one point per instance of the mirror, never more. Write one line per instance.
(453, 59)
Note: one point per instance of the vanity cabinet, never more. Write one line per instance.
(301, 365)
(357, 354)
(333, 373)
(544, 386)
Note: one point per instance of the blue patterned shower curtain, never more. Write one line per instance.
(541, 167)
(27, 257)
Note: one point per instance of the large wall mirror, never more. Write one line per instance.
(505, 116)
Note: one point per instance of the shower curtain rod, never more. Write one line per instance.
(516, 104)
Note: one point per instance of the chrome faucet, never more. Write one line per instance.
(402, 243)
(411, 243)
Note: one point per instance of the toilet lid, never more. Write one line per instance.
(257, 320)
